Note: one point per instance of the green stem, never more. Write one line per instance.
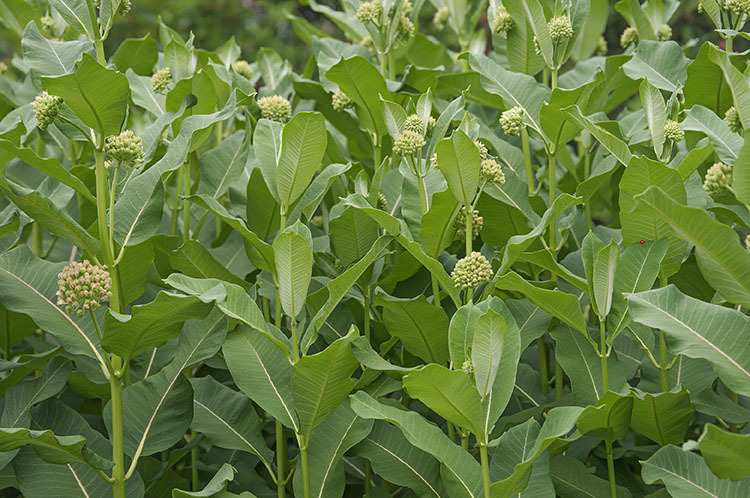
(451, 432)
(663, 362)
(422, 194)
(603, 352)
(730, 44)
(611, 469)
(97, 41)
(527, 160)
(586, 174)
(112, 195)
(96, 325)
(194, 458)
(558, 381)
(541, 347)
(280, 460)
(36, 239)
(435, 292)
(6, 321)
(186, 201)
(367, 313)
(485, 469)
(552, 179)
(368, 477)
(554, 78)
(295, 342)
(391, 66)
(118, 455)
(176, 203)
(464, 440)
(305, 465)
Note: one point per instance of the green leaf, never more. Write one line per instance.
(603, 277)
(557, 303)
(399, 462)
(97, 95)
(217, 484)
(636, 17)
(698, 330)
(450, 394)
(157, 410)
(421, 326)
(655, 108)
(46, 213)
(352, 234)
(364, 84)
(664, 417)
(573, 479)
(724, 263)
(737, 83)
(609, 419)
(138, 54)
(663, 63)
(685, 474)
(15, 14)
(227, 418)
(726, 144)
(267, 148)
(726, 453)
(461, 473)
(303, 144)
(76, 14)
(461, 333)
(223, 165)
(741, 175)
(234, 302)
(293, 253)
(49, 166)
(263, 373)
(52, 448)
(195, 260)
(640, 222)
(150, 325)
(487, 349)
(47, 57)
(458, 160)
(28, 285)
(536, 19)
(437, 230)
(321, 382)
(328, 443)
(614, 145)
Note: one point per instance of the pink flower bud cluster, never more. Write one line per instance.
(83, 286)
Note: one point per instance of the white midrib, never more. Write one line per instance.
(78, 481)
(228, 426)
(593, 382)
(405, 463)
(330, 463)
(226, 173)
(694, 484)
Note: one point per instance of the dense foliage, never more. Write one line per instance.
(510, 264)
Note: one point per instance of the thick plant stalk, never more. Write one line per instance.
(367, 313)
(603, 352)
(541, 347)
(280, 460)
(485, 469)
(663, 362)
(305, 464)
(527, 160)
(611, 469)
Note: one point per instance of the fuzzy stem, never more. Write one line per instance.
(176, 202)
(611, 469)
(527, 160)
(558, 381)
(112, 194)
(368, 477)
(663, 362)
(422, 194)
(464, 440)
(435, 292)
(36, 239)
(485, 469)
(552, 178)
(305, 465)
(541, 347)
(367, 313)
(118, 471)
(603, 352)
(186, 202)
(280, 460)
(295, 341)
(586, 174)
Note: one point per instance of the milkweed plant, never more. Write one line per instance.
(515, 263)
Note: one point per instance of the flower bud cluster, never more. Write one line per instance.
(46, 108)
(49, 26)
(341, 101)
(408, 142)
(83, 287)
(560, 28)
(406, 28)
(673, 131)
(718, 178)
(414, 123)
(503, 22)
(370, 12)
(738, 7)
(512, 121)
(460, 224)
(471, 271)
(491, 171)
(242, 67)
(747, 242)
(664, 33)
(603, 47)
(161, 79)
(127, 147)
(441, 17)
(468, 367)
(382, 202)
(3, 68)
(275, 108)
(733, 121)
(628, 37)
(483, 152)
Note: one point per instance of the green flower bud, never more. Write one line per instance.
(738, 7)
(406, 28)
(492, 171)
(317, 221)
(275, 108)
(414, 123)
(512, 121)
(483, 152)
(747, 242)
(3, 68)
(664, 33)
(370, 12)
(441, 17)
(468, 367)
(460, 224)
(407, 8)
(124, 7)
(433, 161)
(603, 47)
(718, 178)
(341, 101)
(382, 202)
(700, 8)
(161, 79)
(49, 26)
(560, 28)
(408, 142)
(673, 131)
(630, 35)
(431, 124)
(732, 119)
(126, 148)
(503, 21)
(242, 67)
(83, 287)
(537, 47)
(471, 271)
(369, 44)
(46, 107)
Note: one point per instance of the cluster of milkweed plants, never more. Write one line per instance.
(516, 266)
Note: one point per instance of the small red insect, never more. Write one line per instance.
(642, 241)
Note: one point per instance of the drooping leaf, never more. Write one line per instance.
(726, 453)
